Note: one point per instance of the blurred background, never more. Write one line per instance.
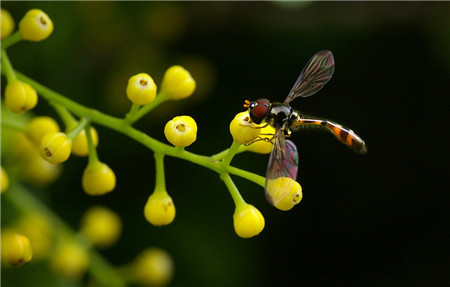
(375, 220)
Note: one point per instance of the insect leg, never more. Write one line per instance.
(260, 138)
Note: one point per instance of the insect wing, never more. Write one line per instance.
(282, 168)
(317, 72)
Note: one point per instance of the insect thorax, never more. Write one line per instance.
(281, 116)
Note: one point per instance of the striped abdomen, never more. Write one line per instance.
(344, 135)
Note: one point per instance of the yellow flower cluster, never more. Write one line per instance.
(177, 84)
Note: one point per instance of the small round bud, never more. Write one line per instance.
(16, 249)
(101, 226)
(39, 126)
(39, 231)
(7, 23)
(20, 146)
(38, 171)
(80, 146)
(35, 26)
(248, 221)
(4, 180)
(98, 179)
(55, 147)
(159, 209)
(20, 97)
(177, 83)
(141, 89)
(181, 131)
(284, 192)
(242, 129)
(70, 260)
(153, 267)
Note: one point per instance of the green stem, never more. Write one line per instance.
(80, 126)
(133, 110)
(147, 108)
(230, 154)
(93, 157)
(160, 185)
(27, 203)
(65, 115)
(237, 197)
(11, 40)
(260, 180)
(220, 155)
(120, 126)
(14, 125)
(7, 67)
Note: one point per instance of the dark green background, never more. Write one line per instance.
(376, 220)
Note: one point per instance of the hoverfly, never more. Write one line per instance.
(283, 161)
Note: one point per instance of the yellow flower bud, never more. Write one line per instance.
(70, 260)
(20, 97)
(284, 192)
(39, 126)
(38, 171)
(80, 146)
(181, 131)
(35, 25)
(38, 230)
(16, 249)
(263, 146)
(153, 267)
(177, 83)
(141, 89)
(98, 179)
(101, 226)
(242, 129)
(4, 180)
(159, 209)
(7, 24)
(248, 221)
(55, 147)
(20, 146)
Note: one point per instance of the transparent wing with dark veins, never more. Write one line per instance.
(315, 75)
(283, 162)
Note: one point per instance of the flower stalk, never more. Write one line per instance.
(121, 126)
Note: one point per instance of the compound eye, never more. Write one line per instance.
(259, 110)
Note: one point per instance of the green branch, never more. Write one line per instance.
(120, 125)
(11, 40)
(7, 68)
